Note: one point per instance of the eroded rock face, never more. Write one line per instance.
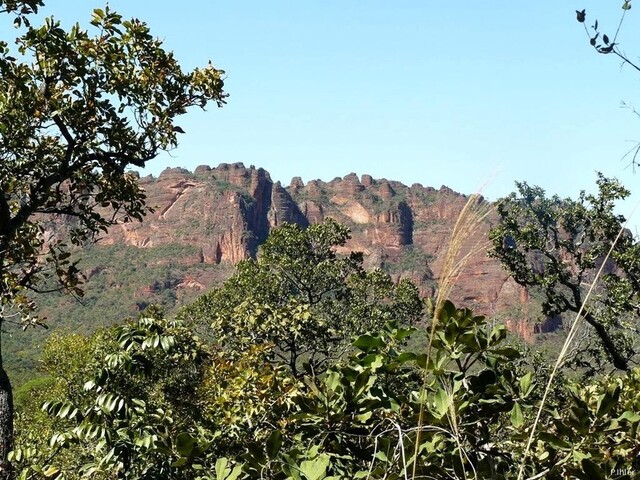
(228, 211)
(222, 211)
(284, 209)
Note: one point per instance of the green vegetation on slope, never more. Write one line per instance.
(152, 399)
(122, 281)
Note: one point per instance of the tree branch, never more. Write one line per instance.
(618, 360)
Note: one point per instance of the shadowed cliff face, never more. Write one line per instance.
(226, 212)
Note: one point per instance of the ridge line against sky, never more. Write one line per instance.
(439, 93)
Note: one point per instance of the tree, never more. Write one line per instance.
(76, 111)
(134, 402)
(359, 419)
(558, 246)
(149, 399)
(304, 298)
(119, 403)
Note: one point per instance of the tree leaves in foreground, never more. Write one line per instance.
(304, 298)
(136, 402)
(77, 109)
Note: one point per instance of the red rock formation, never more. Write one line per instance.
(227, 211)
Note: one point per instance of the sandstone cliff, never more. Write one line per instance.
(224, 213)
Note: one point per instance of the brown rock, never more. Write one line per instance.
(202, 170)
(296, 184)
(386, 191)
(226, 212)
(352, 184)
(284, 209)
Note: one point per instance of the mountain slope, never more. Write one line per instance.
(207, 220)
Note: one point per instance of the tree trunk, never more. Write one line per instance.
(6, 419)
(619, 361)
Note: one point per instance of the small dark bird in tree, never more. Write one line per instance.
(581, 15)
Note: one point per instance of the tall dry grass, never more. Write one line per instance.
(459, 252)
(469, 221)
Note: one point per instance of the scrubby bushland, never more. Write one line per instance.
(304, 298)
(151, 400)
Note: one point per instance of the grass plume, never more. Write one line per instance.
(469, 221)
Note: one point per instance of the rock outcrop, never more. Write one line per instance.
(226, 212)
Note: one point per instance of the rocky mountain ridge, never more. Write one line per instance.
(224, 213)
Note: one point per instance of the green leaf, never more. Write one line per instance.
(406, 357)
(630, 416)
(607, 401)
(508, 352)
(165, 343)
(517, 418)
(64, 410)
(185, 444)
(235, 473)
(526, 384)
(554, 441)
(181, 462)
(374, 361)
(366, 343)
(51, 471)
(441, 401)
(315, 469)
(332, 381)
(274, 442)
(221, 468)
(421, 360)
(363, 382)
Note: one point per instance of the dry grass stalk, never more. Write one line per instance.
(469, 221)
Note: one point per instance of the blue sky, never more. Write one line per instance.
(436, 92)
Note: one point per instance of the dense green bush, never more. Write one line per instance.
(304, 298)
(152, 399)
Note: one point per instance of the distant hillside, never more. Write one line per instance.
(207, 220)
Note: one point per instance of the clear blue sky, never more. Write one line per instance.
(436, 92)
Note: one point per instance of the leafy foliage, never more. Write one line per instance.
(303, 298)
(159, 403)
(559, 245)
(126, 402)
(150, 400)
(244, 396)
(596, 434)
(76, 111)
